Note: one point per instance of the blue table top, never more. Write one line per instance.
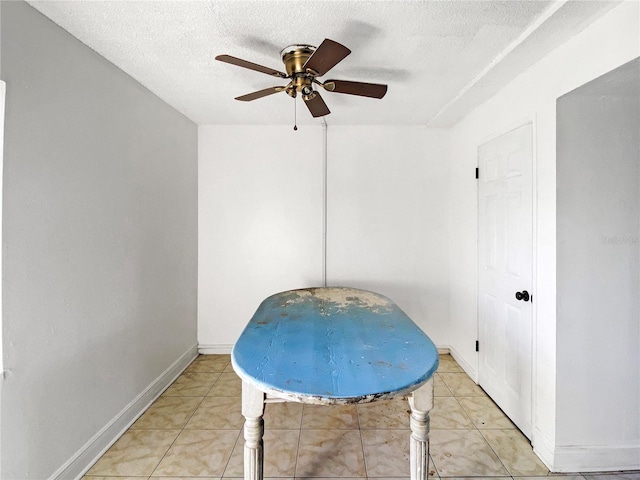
(332, 346)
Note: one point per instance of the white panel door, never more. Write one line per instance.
(505, 272)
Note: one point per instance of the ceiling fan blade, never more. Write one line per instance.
(260, 93)
(316, 106)
(250, 65)
(326, 56)
(373, 90)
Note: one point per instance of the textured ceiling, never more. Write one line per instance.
(439, 58)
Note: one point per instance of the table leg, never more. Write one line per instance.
(421, 402)
(253, 409)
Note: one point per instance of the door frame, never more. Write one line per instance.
(496, 133)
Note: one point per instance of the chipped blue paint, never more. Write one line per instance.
(333, 345)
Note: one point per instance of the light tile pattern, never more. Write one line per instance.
(194, 431)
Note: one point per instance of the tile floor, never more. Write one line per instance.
(194, 431)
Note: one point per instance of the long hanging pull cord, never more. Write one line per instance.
(295, 113)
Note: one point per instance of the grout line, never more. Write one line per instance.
(494, 452)
(240, 438)
(186, 422)
(484, 438)
(295, 466)
(214, 383)
(165, 453)
(364, 457)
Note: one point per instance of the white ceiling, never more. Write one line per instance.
(439, 58)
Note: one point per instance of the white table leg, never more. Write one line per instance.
(253, 409)
(421, 402)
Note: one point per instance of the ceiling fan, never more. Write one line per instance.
(303, 64)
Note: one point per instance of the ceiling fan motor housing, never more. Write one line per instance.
(294, 58)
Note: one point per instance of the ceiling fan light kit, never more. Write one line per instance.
(303, 64)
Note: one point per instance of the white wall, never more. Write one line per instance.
(598, 269)
(99, 248)
(606, 44)
(387, 218)
(261, 220)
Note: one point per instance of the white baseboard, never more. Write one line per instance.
(208, 349)
(444, 350)
(466, 366)
(596, 458)
(84, 458)
(543, 448)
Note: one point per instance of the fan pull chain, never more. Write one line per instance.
(295, 113)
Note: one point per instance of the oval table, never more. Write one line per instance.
(333, 346)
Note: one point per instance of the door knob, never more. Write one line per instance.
(523, 295)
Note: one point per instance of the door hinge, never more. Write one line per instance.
(477, 172)
(477, 346)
